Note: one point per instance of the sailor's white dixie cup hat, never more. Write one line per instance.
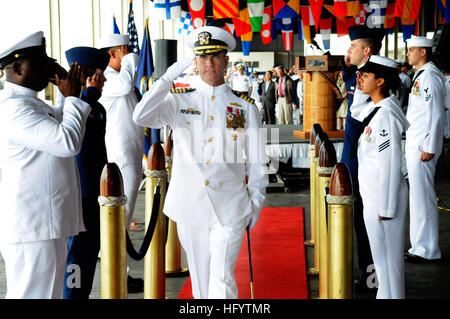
(421, 42)
(31, 45)
(114, 40)
(210, 40)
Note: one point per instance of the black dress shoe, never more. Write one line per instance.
(135, 285)
(411, 258)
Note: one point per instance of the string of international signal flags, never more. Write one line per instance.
(303, 17)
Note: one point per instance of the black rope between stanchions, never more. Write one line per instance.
(138, 255)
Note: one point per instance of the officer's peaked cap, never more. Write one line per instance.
(209, 40)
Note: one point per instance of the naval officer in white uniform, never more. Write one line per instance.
(39, 182)
(217, 143)
(381, 183)
(424, 138)
(124, 139)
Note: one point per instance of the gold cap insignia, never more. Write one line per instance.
(204, 37)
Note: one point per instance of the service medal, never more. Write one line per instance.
(367, 132)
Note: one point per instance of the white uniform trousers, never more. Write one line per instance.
(424, 215)
(387, 243)
(35, 270)
(284, 111)
(212, 253)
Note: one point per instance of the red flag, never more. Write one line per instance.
(197, 10)
(389, 21)
(277, 6)
(266, 27)
(342, 25)
(242, 23)
(407, 9)
(316, 9)
(307, 21)
(346, 8)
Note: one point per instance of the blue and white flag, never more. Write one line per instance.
(131, 30)
(167, 9)
(378, 13)
(185, 24)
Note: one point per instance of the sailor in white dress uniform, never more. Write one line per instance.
(424, 139)
(39, 182)
(217, 143)
(124, 139)
(381, 183)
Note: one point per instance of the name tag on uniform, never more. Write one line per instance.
(190, 110)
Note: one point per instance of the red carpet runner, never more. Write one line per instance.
(278, 258)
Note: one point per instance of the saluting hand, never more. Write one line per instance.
(95, 81)
(71, 85)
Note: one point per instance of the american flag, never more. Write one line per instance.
(131, 30)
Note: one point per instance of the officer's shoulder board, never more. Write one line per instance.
(181, 90)
(245, 97)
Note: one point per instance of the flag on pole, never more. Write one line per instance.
(185, 24)
(225, 9)
(255, 11)
(131, 30)
(145, 77)
(168, 9)
(115, 27)
(266, 27)
(346, 8)
(325, 32)
(197, 10)
(378, 13)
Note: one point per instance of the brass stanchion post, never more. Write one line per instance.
(317, 142)
(316, 128)
(340, 234)
(327, 160)
(113, 262)
(154, 262)
(173, 246)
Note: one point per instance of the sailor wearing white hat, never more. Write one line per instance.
(381, 183)
(124, 139)
(213, 127)
(39, 185)
(424, 140)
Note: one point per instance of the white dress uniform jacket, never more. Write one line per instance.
(426, 116)
(39, 182)
(208, 166)
(124, 139)
(240, 83)
(384, 192)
